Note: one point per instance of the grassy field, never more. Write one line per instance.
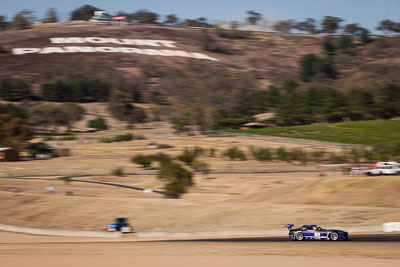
(361, 132)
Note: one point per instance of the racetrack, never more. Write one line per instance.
(361, 250)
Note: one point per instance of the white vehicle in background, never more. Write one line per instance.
(384, 168)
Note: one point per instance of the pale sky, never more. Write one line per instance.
(366, 12)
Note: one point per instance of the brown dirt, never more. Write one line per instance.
(235, 195)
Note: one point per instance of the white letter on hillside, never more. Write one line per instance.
(202, 56)
(22, 51)
(68, 40)
(166, 43)
(130, 50)
(79, 49)
(96, 40)
(50, 50)
(106, 49)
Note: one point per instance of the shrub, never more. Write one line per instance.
(99, 123)
(201, 167)
(298, 155)
(143, 160)
(337, 159)
(282, 154)
(317, 155)
(261, 154)
(161, 158)
(122, 138)
(234, 153)
(189, 155)
(118, 172)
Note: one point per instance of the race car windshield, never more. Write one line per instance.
(319, 228)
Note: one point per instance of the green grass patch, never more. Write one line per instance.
(360, 132)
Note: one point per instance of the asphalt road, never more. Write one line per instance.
(356, 238)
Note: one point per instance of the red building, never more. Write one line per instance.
(8, 154)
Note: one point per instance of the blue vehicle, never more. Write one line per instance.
(315, 232)
(121, 225)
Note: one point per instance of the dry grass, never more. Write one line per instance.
(235, 195)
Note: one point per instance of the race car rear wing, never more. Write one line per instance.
(289, 226)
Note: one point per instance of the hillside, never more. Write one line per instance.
(204, 78)
(270, 58)
(265, 55)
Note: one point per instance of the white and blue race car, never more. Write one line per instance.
(315, 232)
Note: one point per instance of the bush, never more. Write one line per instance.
(317, 155)
(234, 153)
(282, 154)
(298, 155)
(261, 154)
(99, 123)
(337, 159)
(118, 172)
(162, 158)
(178, 178)
(122, 138)
(143, 160)
(189, 155)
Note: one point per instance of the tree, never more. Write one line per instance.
(23, 19)
(308, 26)
(329, 46)
(3, 23)
(307, 67)
(190, 23)
(202, 22)
(253, 17)
(331, 24)
(388, 26)
(83, 13)
(69, 113)
(364, 35)
(351, 28)
(178, 178)
(144, 16)
(51, 16)
(171, 19)
(14, 90)
(345, 42)
(13, 131)
(284, 26)
(123, 110)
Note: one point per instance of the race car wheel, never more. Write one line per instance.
(334, 236)
(299, 237)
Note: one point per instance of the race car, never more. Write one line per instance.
(315, 232)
